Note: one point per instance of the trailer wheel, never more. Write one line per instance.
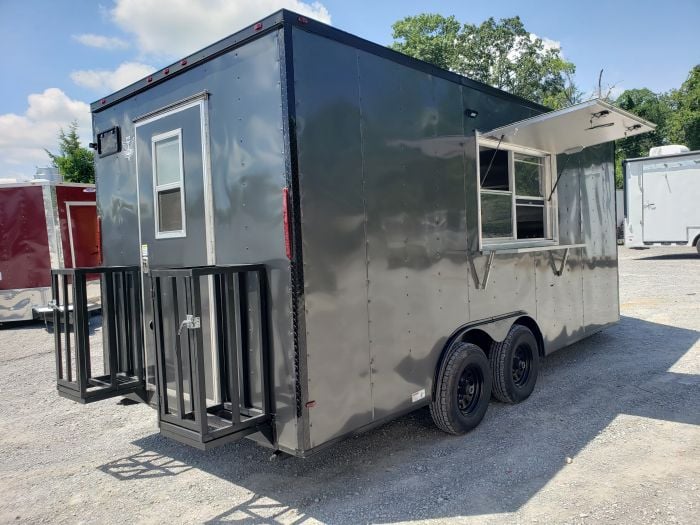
(514, 365)
(462, 390)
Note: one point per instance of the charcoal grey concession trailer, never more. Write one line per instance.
(306, 234)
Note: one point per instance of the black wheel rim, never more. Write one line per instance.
(469, 389)
(522, 364)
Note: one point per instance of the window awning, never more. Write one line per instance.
(571, 129)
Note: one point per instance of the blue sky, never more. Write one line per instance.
(61, 55)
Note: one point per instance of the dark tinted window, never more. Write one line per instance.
(169, 211)
(495, 178)
(530, 222)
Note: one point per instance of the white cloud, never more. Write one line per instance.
(548, 43)
(181, 27)
(106, 81)
(101, 42)
(23, 138)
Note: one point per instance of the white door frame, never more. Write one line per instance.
(200, 100)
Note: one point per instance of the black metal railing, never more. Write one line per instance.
(85, 372)
(212, 352)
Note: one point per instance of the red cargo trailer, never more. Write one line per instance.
(43, 225)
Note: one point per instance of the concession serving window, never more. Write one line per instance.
(517, 173)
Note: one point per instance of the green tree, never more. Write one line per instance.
(500, 53)
(429, 37)
(654, 107)
(684, 124)
(75, 163)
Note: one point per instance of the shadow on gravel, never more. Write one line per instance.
(22, 325)
(409, 470)
(671, 257)
(94, 322)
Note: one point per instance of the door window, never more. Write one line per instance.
(168, 177)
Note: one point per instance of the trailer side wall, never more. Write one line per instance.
(387, 172)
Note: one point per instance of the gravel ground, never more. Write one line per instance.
(610, 435)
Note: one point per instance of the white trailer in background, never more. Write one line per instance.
(662, 200)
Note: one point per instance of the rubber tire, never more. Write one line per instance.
(501, 361)
(697, 246)
(443, 407)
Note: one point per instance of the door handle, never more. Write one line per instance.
(190, 322)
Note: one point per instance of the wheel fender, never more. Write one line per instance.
(498, 330)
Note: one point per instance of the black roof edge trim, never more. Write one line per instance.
(245, 35)
(291, 18)
(343, 37)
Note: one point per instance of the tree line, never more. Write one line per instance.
(504, 54)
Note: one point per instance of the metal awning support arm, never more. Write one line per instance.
(561, 172)
(560, 270)
(481, 284)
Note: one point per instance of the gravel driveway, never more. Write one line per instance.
(611, 434)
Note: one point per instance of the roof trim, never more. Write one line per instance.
(284, 18)
(669, 156)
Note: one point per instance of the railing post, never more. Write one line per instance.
(136, 328)
(264, 340)
(231, 351)
(56, 327)
(110, 326)
(196, 342)
(80, 325)
(66, 328)
(160, 347)
(178, 355)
